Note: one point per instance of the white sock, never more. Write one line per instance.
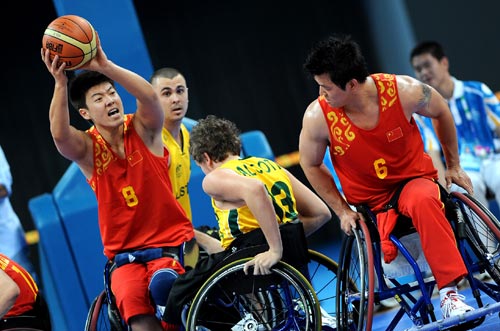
(445, 290)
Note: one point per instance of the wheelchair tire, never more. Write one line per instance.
(283, 300)
(323, 278)
(482, 230)
(356, 281)
(98, 317)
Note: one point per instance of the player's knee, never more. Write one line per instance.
(160, 286)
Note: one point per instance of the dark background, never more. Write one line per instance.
(242, 61)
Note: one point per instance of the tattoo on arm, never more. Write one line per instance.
(425, 99)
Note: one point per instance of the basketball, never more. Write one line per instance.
(72, 38)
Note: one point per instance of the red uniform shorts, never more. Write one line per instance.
(129, 284)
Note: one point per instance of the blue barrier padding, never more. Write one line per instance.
(78, 211)
(57, 260)
(254, 143)
(49, 291)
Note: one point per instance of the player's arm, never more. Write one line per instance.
(229, 188)
(73, 144)
(425, 100)
(313, 212)
(9, 293)
(207, 242)
(149, 115)
(313, 141)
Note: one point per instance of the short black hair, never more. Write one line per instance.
(339, 56)
(166, 72)
(428, 47)
(83, 82)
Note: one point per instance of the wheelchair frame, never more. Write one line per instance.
(477, 232)
(315, 291)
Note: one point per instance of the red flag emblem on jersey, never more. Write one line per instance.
(134, 158)
(394, 134)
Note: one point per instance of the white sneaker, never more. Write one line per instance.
(452, 305)
(328, 322)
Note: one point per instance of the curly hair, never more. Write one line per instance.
(218, 137)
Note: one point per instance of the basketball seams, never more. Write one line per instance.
(86, 48)
(78, 24)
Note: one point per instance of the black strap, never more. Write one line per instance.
(393, 202)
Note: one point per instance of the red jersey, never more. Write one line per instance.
(136, 206)
(371, 164)
(28, 288)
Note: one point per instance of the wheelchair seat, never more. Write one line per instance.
(295, 250)
(405, 234)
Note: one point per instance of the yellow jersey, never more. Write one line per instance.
(179, 168)
(234, 222)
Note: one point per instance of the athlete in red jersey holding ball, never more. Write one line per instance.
(126, 164)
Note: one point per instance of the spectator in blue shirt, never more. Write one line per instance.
(12, 237)
(476, 111)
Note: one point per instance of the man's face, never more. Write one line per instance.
(173, 97)
(333, 94)
(104, 104)
(430, 70)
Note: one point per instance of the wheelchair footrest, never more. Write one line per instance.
(468, 317)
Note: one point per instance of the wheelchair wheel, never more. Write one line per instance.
(323, 278)
(231, 300)
(482, 232)
(355, 285)
(101, 317)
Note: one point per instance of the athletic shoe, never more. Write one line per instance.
(452, 305)
(328, 322)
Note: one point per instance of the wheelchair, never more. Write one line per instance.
(103, 314)
(363, 282)
(231, 300)
(37, 319)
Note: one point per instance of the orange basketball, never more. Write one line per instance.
(72, 38)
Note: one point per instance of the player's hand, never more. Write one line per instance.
(262, 263)
(55, 69)
(99, 60)
(348, 220)
(458, 176)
